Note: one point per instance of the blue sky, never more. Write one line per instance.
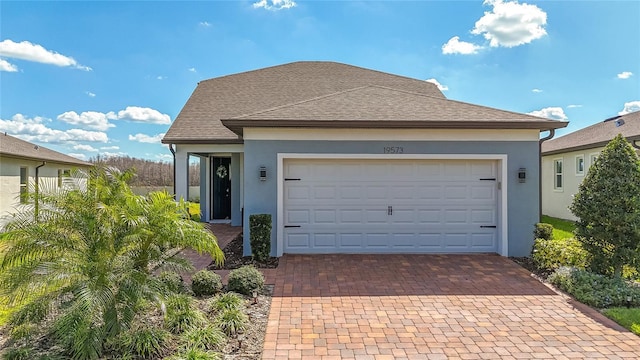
(107, 77)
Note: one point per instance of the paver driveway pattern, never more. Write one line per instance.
(428, 307)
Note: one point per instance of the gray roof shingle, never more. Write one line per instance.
(372, 106)
(17, 148)
(232, 95)
(596, 135)
(295, 84)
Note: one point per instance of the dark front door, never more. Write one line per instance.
(221, 188)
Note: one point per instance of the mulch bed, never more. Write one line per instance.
(233, 258)
(527, 263)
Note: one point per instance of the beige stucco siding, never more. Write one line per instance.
(10, 180)
(555, 202)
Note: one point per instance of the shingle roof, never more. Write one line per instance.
(596, 135)
(248, 92)
(372, 106)
(231, 96)
(13, 147)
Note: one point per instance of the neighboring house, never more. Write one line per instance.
(21, 162)
(566, 160)
(352, 160)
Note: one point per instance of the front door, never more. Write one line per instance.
(221, 175)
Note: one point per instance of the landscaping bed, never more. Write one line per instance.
(234, 259)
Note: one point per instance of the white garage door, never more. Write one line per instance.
(384, 206)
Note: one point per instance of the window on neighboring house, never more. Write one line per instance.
(24, 183)
(62, 175)
(580, 165)
(557, 172)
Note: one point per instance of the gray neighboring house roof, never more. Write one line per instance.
(295, 84)
(377, 106)
(17, 148)
(596, 135)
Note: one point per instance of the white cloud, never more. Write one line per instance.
(33, 52)
(90, 94)
(7, 66)
(455, 46)
(553, 113)
(160, 77)
(192, 69)
(78, 156)
(573, 106)
(143, 138)
(510, 23)
(82, 147)
(164, 157)
(536, 90)
(440, 86)
(625, 75)
(204, 23)
(112, 154)
(147, 115)
(88, 119)
(34, 129)
(629, 107)
(110, 148)
(274, 4)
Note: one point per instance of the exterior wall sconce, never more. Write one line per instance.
(263, 173)
(522, 175)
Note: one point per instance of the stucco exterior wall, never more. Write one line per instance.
(10, 180)
(555, 202)
(261, 196)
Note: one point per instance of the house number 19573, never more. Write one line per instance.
(393, 150)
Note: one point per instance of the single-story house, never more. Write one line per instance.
(566, 160)
(352, 160)
(22, 162)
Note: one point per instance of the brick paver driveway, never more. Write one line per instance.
(428, 307)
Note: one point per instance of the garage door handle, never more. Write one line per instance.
(390, 210)
(488, 226)
(292, 226)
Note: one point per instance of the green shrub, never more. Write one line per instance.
(145, 343)
(225, 301)
(31, 313)
(204, 338)
(206, 282)
(245, 280)
(194, 209)
(173, 282)
(181, 314)
(196, 354)
(607, 205)
(595, 289)
(260, 239)
(543, 231)
(232, 321)
(549, 255)
(23, 332)
(19, 353)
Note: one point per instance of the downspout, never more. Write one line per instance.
(173, 152)
(37, 188)
(552, 132)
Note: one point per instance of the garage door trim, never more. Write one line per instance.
(502, 179)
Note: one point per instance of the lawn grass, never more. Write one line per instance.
(562, 229)
(629, 318)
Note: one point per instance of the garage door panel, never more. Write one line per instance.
(351, 240)
(343, 206)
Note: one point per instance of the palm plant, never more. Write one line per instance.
(85, 260)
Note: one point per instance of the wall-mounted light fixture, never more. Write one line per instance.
(522, 175)
(263, 173)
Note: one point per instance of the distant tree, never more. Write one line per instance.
(608, 209)
(148, 172)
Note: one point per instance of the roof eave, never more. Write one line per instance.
(585, 146)
(34, 158)
(237, 125)
(186, 141)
